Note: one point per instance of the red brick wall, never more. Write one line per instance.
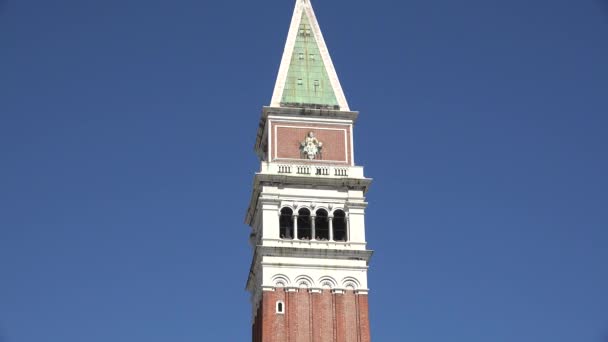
(363, 305)
(323, 317)
(287, 137)
(312, 317)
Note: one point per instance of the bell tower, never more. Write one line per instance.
(308, 276)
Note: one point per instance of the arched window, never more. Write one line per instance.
(280, 307)
(322, 225)
(286, 224)
(339, 225)
(304, 224)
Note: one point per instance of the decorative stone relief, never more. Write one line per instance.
(304, 282)
(281, 280)
(328, 282)
(350, 283)
(311, 146)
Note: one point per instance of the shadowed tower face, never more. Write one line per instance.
(308, 277)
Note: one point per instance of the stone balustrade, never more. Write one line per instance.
(312, 170)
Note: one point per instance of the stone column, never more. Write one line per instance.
(331, 228)
(295, 227)
(347, 237)
(312, 226)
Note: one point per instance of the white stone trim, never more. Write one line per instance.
(328, 282)
(287, 54)
(352, 146)
(269, 155)
(280, 280)
(304, 282)
(315, 120)
(351, 283)
(304, 6)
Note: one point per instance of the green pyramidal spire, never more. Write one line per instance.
(307, 77)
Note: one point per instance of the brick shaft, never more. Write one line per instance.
(312, 317)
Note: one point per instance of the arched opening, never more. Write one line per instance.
(304, 224)
(280, 307)
(286, 224)
(339, 225)
(322, 225)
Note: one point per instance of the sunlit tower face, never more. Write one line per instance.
(308, 277)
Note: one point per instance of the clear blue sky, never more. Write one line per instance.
(126, 162)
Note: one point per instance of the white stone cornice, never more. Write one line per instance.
(349, 254)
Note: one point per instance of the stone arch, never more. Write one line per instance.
(281, 280)
(304, 281)
(322, 207)
(350, 283)
(334, 209)
(328, 282)
(289, 206)
(310, 207)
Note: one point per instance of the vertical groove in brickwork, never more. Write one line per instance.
(287, 316)
(333, 314)
(358, 316)
(310, 317)
(314, 309)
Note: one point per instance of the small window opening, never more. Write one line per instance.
(300, 82)
(280, 307)
(312, 57)
(301, 56)
(316, 84)
(286, 224)
(305, 30)
(339, 225)
(322, 225)
(304, 224)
